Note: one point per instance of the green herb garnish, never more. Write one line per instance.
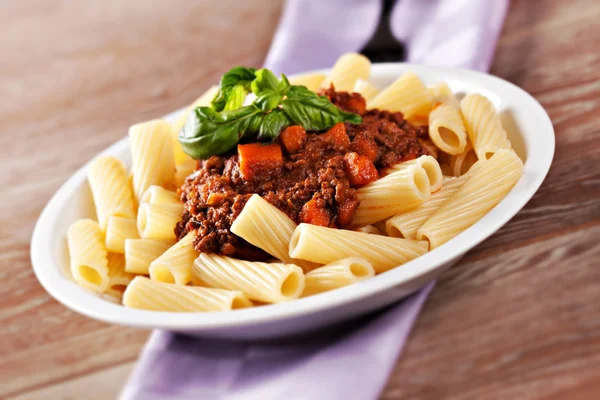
(217, 129)
(233, 88)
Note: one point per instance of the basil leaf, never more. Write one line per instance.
(299, 92)
(268, 101)
(208, 132)
(313, 112)
(272, 125)
(265, 81)
(239, 78)
(284, 85)
(236, 97)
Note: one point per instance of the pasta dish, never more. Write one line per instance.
(269, 189)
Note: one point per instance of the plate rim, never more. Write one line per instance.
(49, 273)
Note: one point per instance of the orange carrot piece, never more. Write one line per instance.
(311, 213)
(292, 138)
(337, 135)
(256, 159)
(359, 169)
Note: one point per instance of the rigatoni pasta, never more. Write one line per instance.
(175, 264)
(119, 229)
(366, 89)
(326, 245)
(266, 282)
(139, 254)
(89, 263)
(486, 186)
(118, 279)
(269, 229)
(397, 192)
(157, 221)
(152, 154)
(429, 165)
(461, 163)
(441, 93)
(368, 229)
(447, 130)
(483, 126)
(312, 81)
(146, 294)
(407, 94)
(347, 70)
(406, 224)
(183, 170)
(337, 274)
(158, 195)
(110, 187)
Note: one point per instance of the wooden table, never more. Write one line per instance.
(518, 318)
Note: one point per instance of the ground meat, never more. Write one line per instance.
(314, 172)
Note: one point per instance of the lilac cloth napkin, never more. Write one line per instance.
(355, 363)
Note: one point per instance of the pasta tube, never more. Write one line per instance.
(202, 101)
(152, 154)
(89, 264)
(152, 295)
(183, 170)
(266, 282)
(441, 93)
(406, 224)
(337, 274)
(483, 126)
(367, 90)
(397, 192)
(346, 71)
(368, 229)
(406, 94)
(118, 279)
(312, 81)
(157, 195)
(139, 253)
(429, 165)
(326, 245)
(117, 231)
(447, 130)
(175, 264)
(487, 185)
(461, 163)
(265, 226)
(158, 221)
(110, 188)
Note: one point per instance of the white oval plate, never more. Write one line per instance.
(530, 131)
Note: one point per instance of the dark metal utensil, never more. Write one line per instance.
(383, 46)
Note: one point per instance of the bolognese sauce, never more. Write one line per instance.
(312, 177)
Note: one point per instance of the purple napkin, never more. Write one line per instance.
(353, 363)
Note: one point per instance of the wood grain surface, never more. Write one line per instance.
(518, 318)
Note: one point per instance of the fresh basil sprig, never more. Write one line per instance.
(233, 88)
(314, 113)
(210, 131)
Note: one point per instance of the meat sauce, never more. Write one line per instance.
(311, 177)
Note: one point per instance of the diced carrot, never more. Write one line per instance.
(257, 159)
(359, 169)
(365, 147)
(337, 135)
(292, 138)
(345, 212)
(356, 104)
(311, 213)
